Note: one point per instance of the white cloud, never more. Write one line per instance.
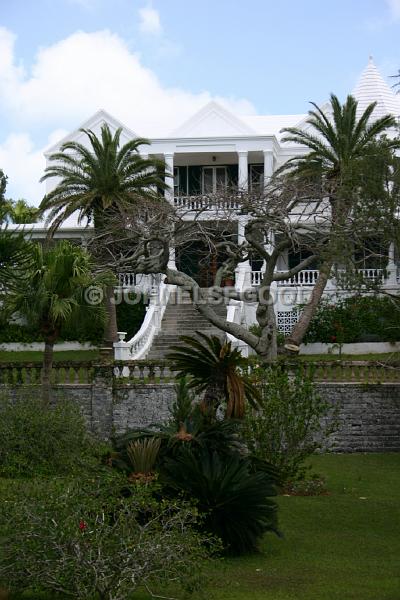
(24, 165)
(394, 7)
(68, 82)
(150, 20)
(73, 78)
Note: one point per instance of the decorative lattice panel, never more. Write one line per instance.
(286, 319)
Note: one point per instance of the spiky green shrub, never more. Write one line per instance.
(235, 499)
(143, 454)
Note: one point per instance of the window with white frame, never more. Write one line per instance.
(214, 180)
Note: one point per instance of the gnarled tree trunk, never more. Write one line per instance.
(301, 327)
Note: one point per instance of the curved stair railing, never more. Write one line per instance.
(139, 346)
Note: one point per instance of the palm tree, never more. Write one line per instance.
(53, 295)
(102, 178)
(217, 370)
(338, 146)
(21, 212)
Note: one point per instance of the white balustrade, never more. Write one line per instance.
(206, 203)
(139, 346)
(372, 274)
(302, 278)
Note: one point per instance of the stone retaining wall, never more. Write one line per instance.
(369, 415)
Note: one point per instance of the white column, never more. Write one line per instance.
(169, 167)
(268, 165)
(243, 176)
(391, 267)
(169, 195)
(243, 270)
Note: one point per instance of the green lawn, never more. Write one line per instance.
(68, 355)
(343, 546)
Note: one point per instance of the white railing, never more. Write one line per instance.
(256, 277)
(138, 347)
(139, 281)
(206, 203)
(302, 278)
(372, 274)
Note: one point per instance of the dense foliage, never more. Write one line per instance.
(289, 424)
(356, 319)
(37, 439)
(98, 537)
(129, 318)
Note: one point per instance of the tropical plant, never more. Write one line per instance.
(104, 178)
(15, 258)
(21, 212)
(215, 369)
(290, 423)
(143, 454)
(53, 294)
(338, 143)
(234, 499)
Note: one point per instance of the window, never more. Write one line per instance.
(256, 178)
(214, 180)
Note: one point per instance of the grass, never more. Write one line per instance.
(30, 356)
(343, 546)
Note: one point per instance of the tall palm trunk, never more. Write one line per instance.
(110, 332)
(301, 327)
(47, 368)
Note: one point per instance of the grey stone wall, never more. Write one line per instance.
(369, 415)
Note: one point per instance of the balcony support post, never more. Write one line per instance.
(243, 178)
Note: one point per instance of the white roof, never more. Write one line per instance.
(94, 123)
(371, 87)
(272, 124)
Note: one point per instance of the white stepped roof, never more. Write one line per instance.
(372, 87)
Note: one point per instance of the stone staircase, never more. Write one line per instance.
(181, 318)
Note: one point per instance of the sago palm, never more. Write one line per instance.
(215, 369)
(52, 294)
(339, 143)
(105, 177)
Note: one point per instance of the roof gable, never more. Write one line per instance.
(213, 120)
(371, 87)
(94, 123)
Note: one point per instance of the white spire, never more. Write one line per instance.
(372, 87)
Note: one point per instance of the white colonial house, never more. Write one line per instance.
(207, 152)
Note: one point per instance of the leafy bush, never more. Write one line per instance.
(356, 319)
(98, 538)
(36, 439)
(129, 319)
(290, 423)
(234, 499)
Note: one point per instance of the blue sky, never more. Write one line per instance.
(154, 64)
